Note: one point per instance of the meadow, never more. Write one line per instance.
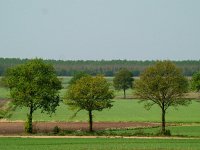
(98, 144)
(122, 111)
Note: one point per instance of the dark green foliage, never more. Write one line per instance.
(167, 133)
(90, 93)
(123, 80)
(34, 85)
(56, 130)
(164, 85)
(107, 68)
(196, 81)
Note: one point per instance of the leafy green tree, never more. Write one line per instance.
(196, 81)
(123, 80)
(90, 93)
(77, 76)
(34, 85)
(162, 84)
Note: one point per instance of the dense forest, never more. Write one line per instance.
(106, 67)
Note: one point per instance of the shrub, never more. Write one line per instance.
(166, 133)
(56, 130)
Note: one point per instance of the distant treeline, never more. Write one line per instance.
(106, 67)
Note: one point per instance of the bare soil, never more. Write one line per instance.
(17, 128)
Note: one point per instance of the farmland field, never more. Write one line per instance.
(98, 144)
(122, 111)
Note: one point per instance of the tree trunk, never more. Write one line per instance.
(90, 121)
(124, 93)
(163, 121)
(29, 126)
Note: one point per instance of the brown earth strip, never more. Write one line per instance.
(10, 128)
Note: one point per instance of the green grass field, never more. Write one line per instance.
(122, 111)
(98, 144)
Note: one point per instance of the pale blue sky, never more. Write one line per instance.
(100, 29)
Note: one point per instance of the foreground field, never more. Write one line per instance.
(98, 144)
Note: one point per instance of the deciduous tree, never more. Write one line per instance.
(196, 82)
(123, 80)
(90, 93)
(164, 85)
(34, 85)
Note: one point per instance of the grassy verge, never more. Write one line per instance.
(177, 131)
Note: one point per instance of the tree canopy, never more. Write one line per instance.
(90, 93)
(123, 80)
(162, 84)
(196, 81)
(34, 85)
(105, 67)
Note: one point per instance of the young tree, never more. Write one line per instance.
(90, 93)
(123, 80)
(164, 85)
(196, 81)
(34, 85)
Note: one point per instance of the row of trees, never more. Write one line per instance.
(105, 67)
(35, 85)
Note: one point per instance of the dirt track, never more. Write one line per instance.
(9, 128)
(92, 137)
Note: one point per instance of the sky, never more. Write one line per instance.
(100, 29)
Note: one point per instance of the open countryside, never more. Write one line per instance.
(182, 121)
(127, 118)
(99, 75)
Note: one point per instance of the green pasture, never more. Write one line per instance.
(98, 144)
(122, 111)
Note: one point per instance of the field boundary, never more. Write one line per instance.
(15, 128)
(93, 137)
